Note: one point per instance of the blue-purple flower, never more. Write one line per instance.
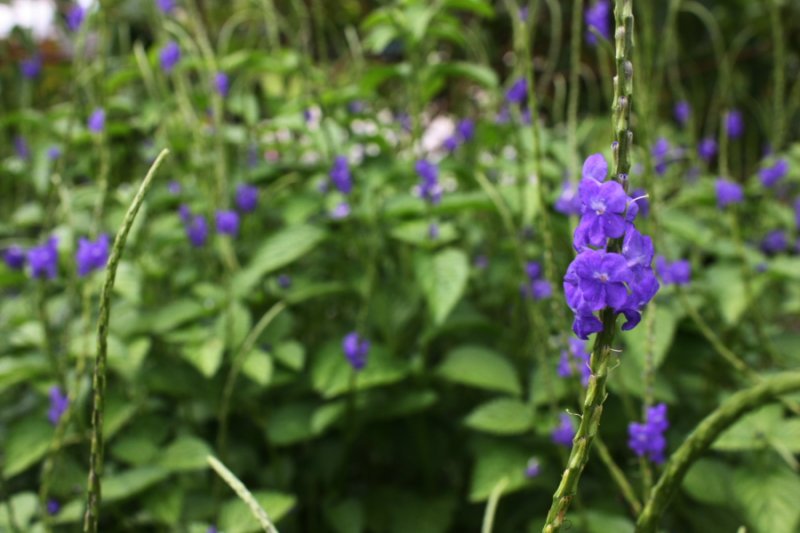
(568, 202)
(340, 175)
(75, 16)
(14, 257)
(660, 151)
(43, 259)
(533, 468)
(518, 92)
(674, 273)
(356, 349)
(682, 112)
(246, 198)
(564, 431)
(284, 281)
(605, 206)
(773, 174)
(53, 153)
(647, 439)
(21, 148)
(97, 120)
(429, 187)
(59, 402)
(728, 193)
(774, 242)
(575, 360)
(221, 84)
(53, 507)
(166, 6)
(31, 67)
(196, 230)
(92, 255)
(341, 211)
(596, 17)
(707, 149)
(536, 287)
(169, 56)
(734, 123)
(227, 223)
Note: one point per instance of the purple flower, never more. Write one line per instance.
(734, 123)
(707, 149)
(75, 16)
(341, 211)
(340, 175)
(682, 112)
(676, 273)
(541, 289)
(21, 148)
(575, 359)
(597, 17)
(169, 56)
(222, 84)
(59, 402)
(91, 255)
(660, 151)
(450, 144)
(433, 231)
(246, 198)
(227, 222)
(197, 230)
(601, 278)
(523, 13)
(569, 203)
(166, 6)
(518, 92)
(53, 153)
(648, 439)
(604, 210)
(31, 67)
(533, 468)
(565, 431)
(429, 187)
(14, 257)
(174, 187)
(184, 213)
(772, 175)
(640, 197)
(465, 129)
(481, 262)
(595, 167)
(355, 349)
(728, 193)
(97, 120)
(284, 281)
(774, 242)
(43, 259)
(53, 507)
(797, 212)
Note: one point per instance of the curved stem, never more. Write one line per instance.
(704, 435)
(93, 494)
(491, 505)
(618, 476)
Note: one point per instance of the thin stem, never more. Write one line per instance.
(704, 435)
(574, 88)
(238, 487)
(491, 505)
(93, 493)
(778, 73)
(618, 476)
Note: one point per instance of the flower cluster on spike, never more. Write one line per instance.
(575, 361)
(537, 287)
(356, 349)
(648, 439)
(602, 276)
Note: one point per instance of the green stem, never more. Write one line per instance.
(704, 435)
(238, 487)
(618, 476)
(574, 88)
(491, 505)
(778, 73)
(93, 493)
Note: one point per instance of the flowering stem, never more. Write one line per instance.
(704, 435)
(93, 495)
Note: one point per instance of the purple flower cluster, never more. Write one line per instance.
(356, 349)
(773, 174)
(75, 16)
(774, 242)
(728, 193)
(166, 6)
(575, 360)
(59, 402)
(648, 439)
(707, 149)
(734, 124)
(682, 112)
(31, 67)
(536, 287)
(227, 223)
(597, 278)
(597, 16)
(564, 431)
(340, 175)
(246, 198)
(91, 256)
(518, 92)
(222, 84)
(14, 257)
(43, 259)
(169, 56)
(97, 120)
(429, 187)
(660, 151)
(676, 273)
(465, 131)
(196, 226)
(53, 507)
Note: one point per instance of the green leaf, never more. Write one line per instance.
(207, 357)
(493, 462)
(480, 74)
(236, 517)
(417, 232)
(290, 424)
(24, 507)
(759, 429)
(480, 367)
(166, 504)
(131, 482)
(28, 441)
(502, 416)
(709, 481)
(15, 370)
(478, 7)
(185, 453)
(639, 339)
(291, 354)
(332, 375)
(602, 522)
(769, 498)
(443, 279)
(169, 317)
(346, 516)
(258, 367)
(725, 282)
(281, 249)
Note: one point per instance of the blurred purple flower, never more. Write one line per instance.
(227, 223)
(222, 83)
(341, 211)
(75, 16)
(728, 193)
(707, 149)
(246, 198)
(773, 174)
(43, 259)
(597, 16)
(166, 6)
(647, 439)
(97, 120)
(284, 281)
(676, 273)
(169, 56)
(31, 67)
(565, 431)
(355, 349)
(21, 148)
(92, 255)
(197, 230)
(734, 123)
(340, 175)
(53, 153)
(569, 203)
(775, 242)
(14, 257)
(640, 196)
(533, 468)
(53, 507)
(518, 92)
(59, 402)
(682, 112)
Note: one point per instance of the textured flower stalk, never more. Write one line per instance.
(704, 435)
(92, 516)
(601, 354)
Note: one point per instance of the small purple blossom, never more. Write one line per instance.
(775, 173)
(355, 349)
(429, 187)
(221, 84)
(246, 198)
(568, 202)
(227, 223)
(734, 123)
(174, 187)
(75, 16)
(660, 151)
(533, 468)
(433, 231)
(169, 56)
(197, 230)
(341, 211)
(92, 256)
(682, 112)
(53, 507)
(597, 17)
(53, 153)
(647, 439)
(707, 149)
(676, 273)
(604, 213)
(284, 281)
(14, 257)
(518, 92)
(59, 402)
(43, 260)
(31, 67)
(728, 193)
(340, 175)
(166, 6)
(775, 242)
(565, 431)
(21, 148)
(465, 130)
(575, 360)
(97, 120)
(450, 144)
